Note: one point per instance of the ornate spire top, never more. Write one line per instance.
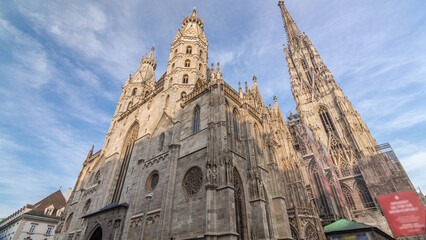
(275, 99)
(151, 54)
(254, 79)
(290, 26)
(192, 18)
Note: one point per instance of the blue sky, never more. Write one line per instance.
(62, 64)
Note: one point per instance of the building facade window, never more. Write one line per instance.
(188, 50)
(187, 63)
(32, 228)
(365, 196)
(86, 206)
(235, 123)
(326, 120)
(49, 230)
(135, 90)
(185, 79)
(348, 197)
(196, 127)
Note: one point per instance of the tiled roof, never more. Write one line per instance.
(56, 199)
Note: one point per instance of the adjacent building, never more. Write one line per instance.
(34, 221)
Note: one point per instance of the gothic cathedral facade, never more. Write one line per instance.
(189, 157)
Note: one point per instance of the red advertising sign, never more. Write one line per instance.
(405, 213)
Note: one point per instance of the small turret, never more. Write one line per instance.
(149, 59)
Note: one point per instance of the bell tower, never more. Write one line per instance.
(188, 53)
(321, 103)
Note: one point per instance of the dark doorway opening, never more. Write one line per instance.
(97, 234)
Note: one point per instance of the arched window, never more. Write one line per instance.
(185, 78)
(200, 67)
(183, 94)
(135, 90)
(175, 53)
(348, 197)
(326, 120)
(146, 93)
(235, 123)
(129, 105)
(196, 126)
(86, 207)
(173, 66)
(240, 208)
(187, 63)
(170, 82)
(166, 104)
(365, 196)
(161, 141)
(188, 50)
(201, 53)
(68, 221)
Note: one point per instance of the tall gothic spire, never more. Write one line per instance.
(290, 26)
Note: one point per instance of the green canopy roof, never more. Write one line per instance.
(344, 225)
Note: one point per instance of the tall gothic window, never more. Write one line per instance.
(135, 90)
(185, 79)
(235, 123)
(365, 196)
(200, 67)
(326, 120)
(175, 53)
(126, 152)
(129, 105)
(188, 50)
(348, 197)
(196, 122)
(187, 63)
(201, 53)
(240, 209)
(308, 74)
(173, 66)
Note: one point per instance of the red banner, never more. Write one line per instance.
(405, 213)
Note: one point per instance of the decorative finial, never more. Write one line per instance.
(254, 78)
(275, 99)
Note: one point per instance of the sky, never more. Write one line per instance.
(62, 65)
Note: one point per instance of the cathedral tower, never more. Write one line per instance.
(321, 103)
(188, 53)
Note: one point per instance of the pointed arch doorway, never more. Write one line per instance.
(97, 234)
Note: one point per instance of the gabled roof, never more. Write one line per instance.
(344, 225)
(56, 199)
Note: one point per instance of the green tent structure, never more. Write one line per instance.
(345, 229)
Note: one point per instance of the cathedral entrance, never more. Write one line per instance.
(239, 206)
(97, 234)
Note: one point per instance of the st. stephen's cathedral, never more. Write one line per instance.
(189, 157)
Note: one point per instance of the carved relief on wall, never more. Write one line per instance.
(193, 181)
(310, 233)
